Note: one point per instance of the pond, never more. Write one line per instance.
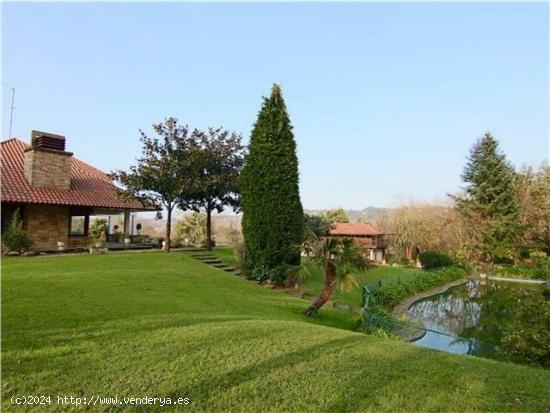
(500, 320)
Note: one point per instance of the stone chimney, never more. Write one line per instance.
(47, 165)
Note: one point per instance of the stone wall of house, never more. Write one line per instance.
(77, 242)
(46, 225)
(48, 168)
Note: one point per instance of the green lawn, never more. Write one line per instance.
(385, 274)
(314, 283)
(165, 325)
(226, 254)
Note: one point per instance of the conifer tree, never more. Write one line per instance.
(273, 218)
(15, 238)
(489, 205)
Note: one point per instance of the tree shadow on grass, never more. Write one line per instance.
(429, 380)
(208, 388)
(148, 351)
(375, 375)
(119, 328)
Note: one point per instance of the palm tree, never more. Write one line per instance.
(340, 258)
(192, 229)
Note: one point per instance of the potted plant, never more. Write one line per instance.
(95, 244)
(96, 233)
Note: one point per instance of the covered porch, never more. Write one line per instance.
(123, 229)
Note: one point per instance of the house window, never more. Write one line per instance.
(78, 224)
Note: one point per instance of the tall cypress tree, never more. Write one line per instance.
(273, 218)
(490, 205)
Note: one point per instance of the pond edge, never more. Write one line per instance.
(400, 311)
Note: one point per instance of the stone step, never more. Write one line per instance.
(209, 259)
(212, 260)
(201, 256)
(219, 265)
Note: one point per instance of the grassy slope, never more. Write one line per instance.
(226, 254)
(165, 325)
(314, 283)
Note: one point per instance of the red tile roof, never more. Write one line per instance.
(354, 229)
(89, 186)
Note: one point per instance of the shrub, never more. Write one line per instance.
(539, 269)
(542, 270)
(434, 259)
(515, 271)
(467, 266)
(15, 238)
(503, 260)
(263, 273)
(524, 253)
(96, 231)
(390, 295)
(406, 262)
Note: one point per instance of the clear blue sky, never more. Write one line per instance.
(386, 99)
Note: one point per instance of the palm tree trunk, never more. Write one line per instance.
(330, 277)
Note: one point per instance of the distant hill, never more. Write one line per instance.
(354, 214)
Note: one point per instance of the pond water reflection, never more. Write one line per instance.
(478, 317)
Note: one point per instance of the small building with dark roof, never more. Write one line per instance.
(372, 239)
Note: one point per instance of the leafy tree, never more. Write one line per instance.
(335, 215)
(216, 166)
(14, 237)
(163, 171)
(273, 220)
(489, 204)
(417, 227)
(315, 227)
(340, 258)
(533, 190)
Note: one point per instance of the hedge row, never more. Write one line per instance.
(390, 295)
(540, 271)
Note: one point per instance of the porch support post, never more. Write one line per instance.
(126, 224)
